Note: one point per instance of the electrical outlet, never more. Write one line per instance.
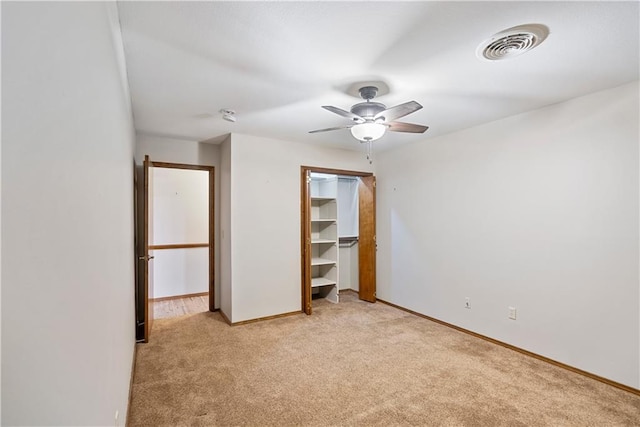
(467, 302)
(512, 313)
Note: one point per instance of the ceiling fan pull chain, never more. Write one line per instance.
(370, 151)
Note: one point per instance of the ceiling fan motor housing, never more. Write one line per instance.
(368, 109)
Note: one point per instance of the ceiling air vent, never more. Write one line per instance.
(512, 42)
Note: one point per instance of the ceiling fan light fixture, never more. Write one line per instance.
(368, 131)
(372, 119)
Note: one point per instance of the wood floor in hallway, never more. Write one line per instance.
(166, 309)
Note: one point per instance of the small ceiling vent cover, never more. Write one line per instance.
(512, 42)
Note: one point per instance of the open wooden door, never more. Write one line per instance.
(367, 245)
(147, 255)
(305, 213)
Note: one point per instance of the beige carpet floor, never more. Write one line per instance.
(355, 363)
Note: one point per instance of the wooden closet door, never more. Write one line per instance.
(367, 238)
(305, 214)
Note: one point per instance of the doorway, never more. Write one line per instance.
(325, 238)
(176, 244)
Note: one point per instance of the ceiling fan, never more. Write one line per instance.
(372, 119)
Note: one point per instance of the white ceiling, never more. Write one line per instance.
(277, 63)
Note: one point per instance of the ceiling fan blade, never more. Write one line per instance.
(344, 113)
(328, 129)
(398, 111)
(406, 127)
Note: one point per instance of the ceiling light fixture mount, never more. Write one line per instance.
(228, 115)
(512, 42)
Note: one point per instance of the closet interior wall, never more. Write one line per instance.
(348, 232)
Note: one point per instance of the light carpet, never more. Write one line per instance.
(355, 363)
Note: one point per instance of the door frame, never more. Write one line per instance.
(211, 170)
(143, 245)
(305, 231)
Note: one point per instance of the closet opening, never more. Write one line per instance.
(337, 235)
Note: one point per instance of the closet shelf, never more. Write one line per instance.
(318, 241)
(321, 281)
(323, 220)
(322, 261)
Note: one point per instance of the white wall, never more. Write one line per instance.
(347, 207)
(179, 272)
(180, 206)
(538, 211)
(348, 226)
(180, 201)
(348, 264)
(67, 216)
(225, 266)
(265, 206)
(175, 150)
